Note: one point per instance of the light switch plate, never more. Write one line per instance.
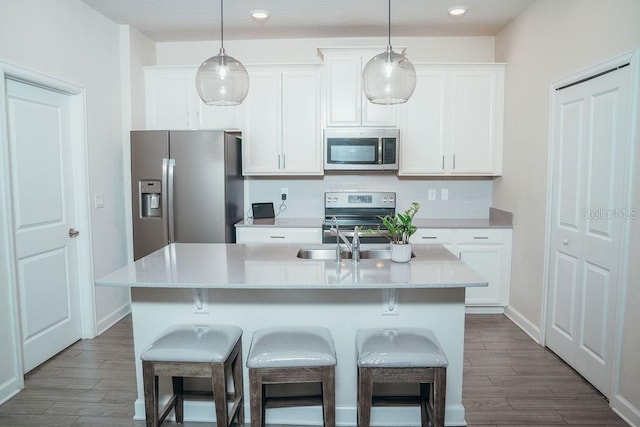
(99, 200)
(444, 194)
(432, 194)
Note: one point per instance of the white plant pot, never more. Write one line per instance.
(400, 253)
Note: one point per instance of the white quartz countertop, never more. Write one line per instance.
(282, 222)
(263, 266)
(497, 219)
(456, 223)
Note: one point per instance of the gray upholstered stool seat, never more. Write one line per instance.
(401, 355)
(194, 351)
(292, 355)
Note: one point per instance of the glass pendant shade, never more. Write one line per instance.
(222, 80)
(388, 78)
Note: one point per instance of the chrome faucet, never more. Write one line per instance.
(353, 247)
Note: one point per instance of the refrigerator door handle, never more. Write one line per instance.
(165, 206)
(172, 222)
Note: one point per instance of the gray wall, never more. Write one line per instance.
(551, 40)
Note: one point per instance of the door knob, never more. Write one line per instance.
(73, 233)
(565, 242)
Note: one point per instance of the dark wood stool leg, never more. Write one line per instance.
(365, 391)
(150, 382)
(178, 388)
(238, 385)
(439, 395)
(424, 404)
(329, 396)
(255, 398)
(219, 380)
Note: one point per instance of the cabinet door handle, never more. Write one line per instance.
(429, 237)
(454, 161)
(480, 237)
(284, 161)
(278, 161)
(443, 162)
(277, 237)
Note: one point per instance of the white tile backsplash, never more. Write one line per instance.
(467, 198)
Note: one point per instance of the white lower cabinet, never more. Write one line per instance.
(279, 235)
(487, 251)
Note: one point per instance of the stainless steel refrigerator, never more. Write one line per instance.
(187, 187)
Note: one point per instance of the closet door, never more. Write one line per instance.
(591, 141)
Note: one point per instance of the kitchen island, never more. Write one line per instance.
(255, 286)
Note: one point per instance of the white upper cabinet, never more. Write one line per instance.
(345, 104)
(422, 126)
(172, 102)
(452, 125)
(281, 122)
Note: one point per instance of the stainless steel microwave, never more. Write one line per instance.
(361, 149)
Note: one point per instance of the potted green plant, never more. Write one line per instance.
(400, 227)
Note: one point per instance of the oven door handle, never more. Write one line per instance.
(349, 233)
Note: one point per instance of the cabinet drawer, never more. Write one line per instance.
(278, 235)
(432, 235)
(479, 236)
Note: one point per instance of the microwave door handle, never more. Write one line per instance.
(380, 151)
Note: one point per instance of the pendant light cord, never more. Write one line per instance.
(389, 26)
(222, 24)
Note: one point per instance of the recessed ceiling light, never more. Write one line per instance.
(457, 10)
(260, 15)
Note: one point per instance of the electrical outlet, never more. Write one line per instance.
(444, 194)
(432, 194)
(390, 302)
(200, 301)
(284, 193)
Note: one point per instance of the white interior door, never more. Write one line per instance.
(43, 212)
(587, 214)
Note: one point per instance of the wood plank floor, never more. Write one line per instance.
(508, 381)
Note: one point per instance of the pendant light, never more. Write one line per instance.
(389, 77)
(222, 80)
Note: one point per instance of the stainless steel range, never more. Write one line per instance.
(362, 209)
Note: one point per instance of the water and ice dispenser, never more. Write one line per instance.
(150, 198)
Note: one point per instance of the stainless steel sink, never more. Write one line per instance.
(330, 253)
(324, 253)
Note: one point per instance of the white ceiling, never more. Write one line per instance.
(190, 20)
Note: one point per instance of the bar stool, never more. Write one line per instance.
(291, 355)
(402, 355)
(194, 351)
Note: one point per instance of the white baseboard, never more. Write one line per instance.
(113, 318)
(8, 389)
(203, 411)
(523, 323)
(629, 413)
(479, 309)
